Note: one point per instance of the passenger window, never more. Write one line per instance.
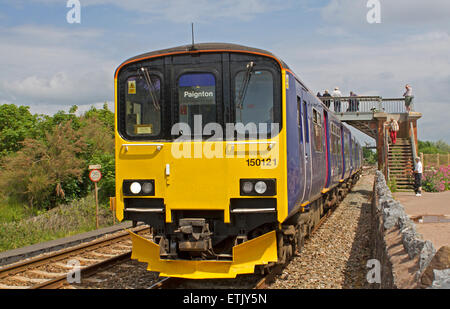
(317, 122)
(305, 113)
(335, 140)
(197, 96)
(143, 105)
(347, 149)
(299, 119)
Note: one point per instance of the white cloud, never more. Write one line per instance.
(49, 65)
(183, 11)
(348, 13)
(422, 60)
(61, 88)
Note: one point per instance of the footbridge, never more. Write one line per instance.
(370, 114)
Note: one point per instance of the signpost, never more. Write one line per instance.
(95, 175)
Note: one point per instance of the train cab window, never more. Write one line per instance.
(197, 96)
(254, 98)
(143, 105)
(317, 122)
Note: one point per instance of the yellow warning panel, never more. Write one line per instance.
(131, 87)
(258, 251)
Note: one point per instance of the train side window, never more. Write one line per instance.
(197, 96)
(299, 119)
(143, 106)
(317, 127)
(305, 113)
(335, 140)
(347, 148)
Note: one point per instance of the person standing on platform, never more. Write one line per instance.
(393, 130)
(352, 106)
(337, 102)
(418, 170)
(327, 102)
(408, 98)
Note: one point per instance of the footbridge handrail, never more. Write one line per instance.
(364, 104)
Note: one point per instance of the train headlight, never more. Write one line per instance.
(138, 187)
(260, 187)
(147, 187)
(247, 187)
(135, 188)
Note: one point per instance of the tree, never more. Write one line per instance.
(37, 172)
(428, 147)
(370, 156)
(16, 124)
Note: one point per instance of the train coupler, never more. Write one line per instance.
(194, 235)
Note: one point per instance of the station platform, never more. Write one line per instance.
(15, 255)
(431, 213)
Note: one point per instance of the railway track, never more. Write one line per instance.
(112, 268)
(53, 270)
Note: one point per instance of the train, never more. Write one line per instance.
(229, 158)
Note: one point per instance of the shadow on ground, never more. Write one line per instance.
(356, 269)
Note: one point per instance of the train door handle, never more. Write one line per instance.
(167, 169)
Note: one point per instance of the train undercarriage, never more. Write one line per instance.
(203, 238)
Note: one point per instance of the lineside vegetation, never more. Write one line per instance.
(44, 159)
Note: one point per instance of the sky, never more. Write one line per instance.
(50, 64)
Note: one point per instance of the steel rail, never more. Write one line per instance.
(13, 269)
(84, 272)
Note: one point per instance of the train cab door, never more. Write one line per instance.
(307, 144)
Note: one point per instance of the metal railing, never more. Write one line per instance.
(386, 153)
(413, 142)
(364, 104)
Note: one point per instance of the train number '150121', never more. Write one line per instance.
(261, 162)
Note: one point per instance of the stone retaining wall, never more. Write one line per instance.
(389, 214)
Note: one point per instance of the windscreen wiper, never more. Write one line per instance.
(151, 88)
(246, 81)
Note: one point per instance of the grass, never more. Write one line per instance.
(16, 230)
(12, 211)
(392, 184)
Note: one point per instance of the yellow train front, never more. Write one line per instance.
(201, 157)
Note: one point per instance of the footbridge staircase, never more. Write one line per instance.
(370, 114)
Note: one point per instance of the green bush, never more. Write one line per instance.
(392, 184)
(370, 156)
(48, 165)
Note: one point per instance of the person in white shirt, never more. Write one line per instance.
(337, 103)
(418, 170)
(408, 98)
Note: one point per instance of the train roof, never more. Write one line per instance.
(204, 47)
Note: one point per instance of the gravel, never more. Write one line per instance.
(336, 255)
